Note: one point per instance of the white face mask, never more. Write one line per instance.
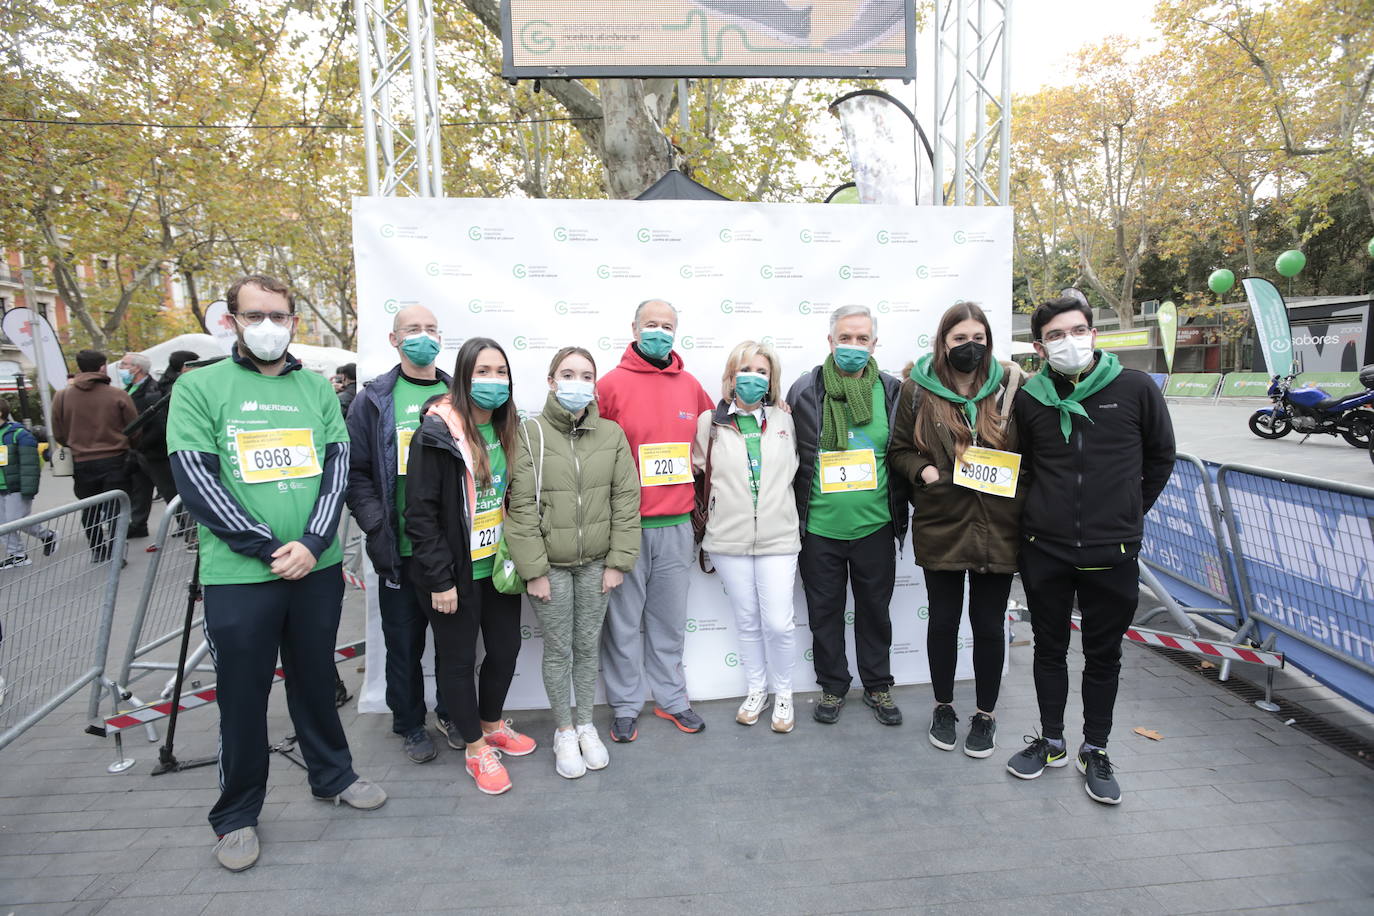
(266, 340)
(1071, 355)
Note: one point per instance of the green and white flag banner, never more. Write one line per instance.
(538, 275)
(1271, 324)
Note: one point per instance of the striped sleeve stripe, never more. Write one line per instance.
(327, 509)
(216, 498)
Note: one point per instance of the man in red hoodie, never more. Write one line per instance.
(89, 416)
(656, 402)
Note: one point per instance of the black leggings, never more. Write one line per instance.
(497, 618)
(987, 607)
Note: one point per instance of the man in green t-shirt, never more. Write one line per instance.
(381, 421)
(260, 455)
(853, 513)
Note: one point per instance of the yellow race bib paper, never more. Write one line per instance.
(486, 533)
(664, 463)
(276, 454)
(845, 472)
(988, 470)
(403, 437)
(4, 456)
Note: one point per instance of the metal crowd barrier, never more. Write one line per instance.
(1304, 551)
(57, 610)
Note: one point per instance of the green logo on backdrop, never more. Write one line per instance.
(804, 307)
(727, 306)
(883, 237)
(922, 340)
(520, 343)
(391, 306)
(561, 307)
(922, 272)
(766, 341)
(475, 233)
(731, 660)
(691, 625)
(387, 230)
(525, 631)
(432, 268)
(475, 306)
(809, 655)
(685, 271)
(923, 612)
(560, 234)
(849, 618)
(726, 235)
(960, 237)
(603, 271)
(643, 235)
(687, 343)
(766, 271)
(603, 343)
(519, 271)
(846, 272)
(883, 307)
(805, 236)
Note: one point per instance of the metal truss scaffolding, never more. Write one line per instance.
(400, 93)
(972, 101)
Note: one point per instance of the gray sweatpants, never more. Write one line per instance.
(13, 507)
(571, 620)
(654, 596)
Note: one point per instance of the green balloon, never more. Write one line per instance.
(1221, 281)
(1290, 263)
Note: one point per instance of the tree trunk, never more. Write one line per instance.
(633, 149)
(65, 279)
(193, 298)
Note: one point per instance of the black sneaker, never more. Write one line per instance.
(1098, 781)
(419, 746)
(1038, 754)
(884, 710)
(624, 729)
(828, 709)
(942, 727)
(982, 736)
(49, 543)
(445, 725)
(341, 694)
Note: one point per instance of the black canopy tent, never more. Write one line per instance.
(676, 186)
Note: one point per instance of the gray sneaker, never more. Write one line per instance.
(445, 725)
(361, 794)
(1038, 753)
(942, 733)
(419, 747)
(982, 736)
(238, 850)
(1098, 779)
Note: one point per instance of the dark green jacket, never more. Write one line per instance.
(20, 474)
(589, 495)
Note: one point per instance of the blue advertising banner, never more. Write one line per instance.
(1305, 554)
(1181, 544)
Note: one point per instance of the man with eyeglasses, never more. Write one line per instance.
(260, 455)
(1098, 445)
(381, 422)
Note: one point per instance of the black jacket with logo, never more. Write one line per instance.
(1088, 496)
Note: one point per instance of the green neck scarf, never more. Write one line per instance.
(922, 374)
(848, 402)
(1041, 387)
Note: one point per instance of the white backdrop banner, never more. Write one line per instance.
(538, 275)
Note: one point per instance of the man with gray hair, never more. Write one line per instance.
(853, 513)
(148, 464)
(656, 402)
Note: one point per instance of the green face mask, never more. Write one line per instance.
(656, 344)
(420, 349)
(750, 387)
(851, 359)
(489, 394)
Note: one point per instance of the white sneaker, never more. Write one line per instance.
(782, 713)
(753, 704)
(567, 755)
(594, 753)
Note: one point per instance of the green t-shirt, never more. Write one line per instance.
(850, 514)
(486, 532)
(270, 433)
(407, 398)
(749, 429)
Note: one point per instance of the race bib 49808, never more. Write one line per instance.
(987, 470)
(266, 455)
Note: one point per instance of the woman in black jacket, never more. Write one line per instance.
(455, 511)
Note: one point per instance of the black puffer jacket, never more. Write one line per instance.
(437, 516)
(1089, 495)
(805, 399)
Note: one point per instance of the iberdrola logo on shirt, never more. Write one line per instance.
(254, 405)
(413, 408)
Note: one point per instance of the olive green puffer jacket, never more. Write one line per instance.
(589, 494)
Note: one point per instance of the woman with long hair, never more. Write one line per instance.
(455, 515)
(747, 448)
(573, 533)
(953, 438)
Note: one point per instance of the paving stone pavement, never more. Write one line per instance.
(1232, 810)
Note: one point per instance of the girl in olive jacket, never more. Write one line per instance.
(572, 529)
(953, 398)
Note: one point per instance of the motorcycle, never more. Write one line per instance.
(1311, 410)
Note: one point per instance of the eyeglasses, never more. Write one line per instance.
(280, 319)
(1081, 330)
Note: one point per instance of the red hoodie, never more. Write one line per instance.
(655, 407)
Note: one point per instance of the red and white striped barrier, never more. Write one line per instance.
(204, 697)
(1223, 650)
(353, 580)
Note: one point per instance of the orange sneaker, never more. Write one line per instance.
(509, 741)
(487, 771)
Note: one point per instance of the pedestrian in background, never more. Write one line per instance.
(20, 475)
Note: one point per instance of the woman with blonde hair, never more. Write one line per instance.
(573, 533)
(953, 433)
(747, 450)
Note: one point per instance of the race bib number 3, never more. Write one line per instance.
(403, 437)
(988, 470)
(846, 472)
(664, 463)
(486, 533)
(276, 454)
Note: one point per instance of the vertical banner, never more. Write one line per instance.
(1271, 324)
(1167, 316)
(881, 135)
(538, 275)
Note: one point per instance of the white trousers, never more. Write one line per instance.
(760, 591)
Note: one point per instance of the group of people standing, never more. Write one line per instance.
(588, 508)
